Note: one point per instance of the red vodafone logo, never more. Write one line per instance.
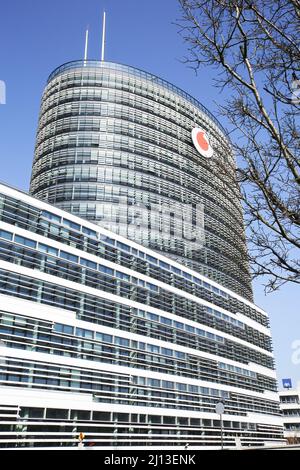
(201, 142)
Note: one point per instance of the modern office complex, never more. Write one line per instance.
(130, 344)
(114, 147)
(290, 407)
(105, 337)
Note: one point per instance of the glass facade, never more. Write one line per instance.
(106, 337)
(126, 308)
(114, 146)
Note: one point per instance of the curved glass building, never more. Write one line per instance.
(114, 146)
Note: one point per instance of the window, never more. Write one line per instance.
(50, 216)
(6, 235)
(167, 352)
(53, 413)
(182, 387)
(105, 269)
(80, 415)
(25, 241)
(153, 316)
(195, 422)
(166, 321)
(88, 231)
(59, 327)
(169, 419)
(152, 348)
(154, 382)
(167, 384)
(151, 259)
(164, 265)
(104, 337)
(84, 333)
(48, 249)
(121, 341)
(190, 328)
(123, 246)
(121, 417)
(108, 240)
(200, 332)
(223, 294)
(206, 422)
(183, 421)
(69, 257)
(175, 270)
(216, 313)
(155, 419)
(187, 276)
(32, 412)
(151, 286)
(101, 416)
(122, 276)
(70, 224)
(180, 355)
(88, 263)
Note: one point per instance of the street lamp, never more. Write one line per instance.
(220, 410)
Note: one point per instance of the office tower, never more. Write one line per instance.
(114, 146)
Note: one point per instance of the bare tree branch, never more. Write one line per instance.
(254, 44)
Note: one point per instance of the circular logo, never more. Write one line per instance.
(201, 142)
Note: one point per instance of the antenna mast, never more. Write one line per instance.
(103, 37)
(86, 45)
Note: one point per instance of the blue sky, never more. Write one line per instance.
(37, 36)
